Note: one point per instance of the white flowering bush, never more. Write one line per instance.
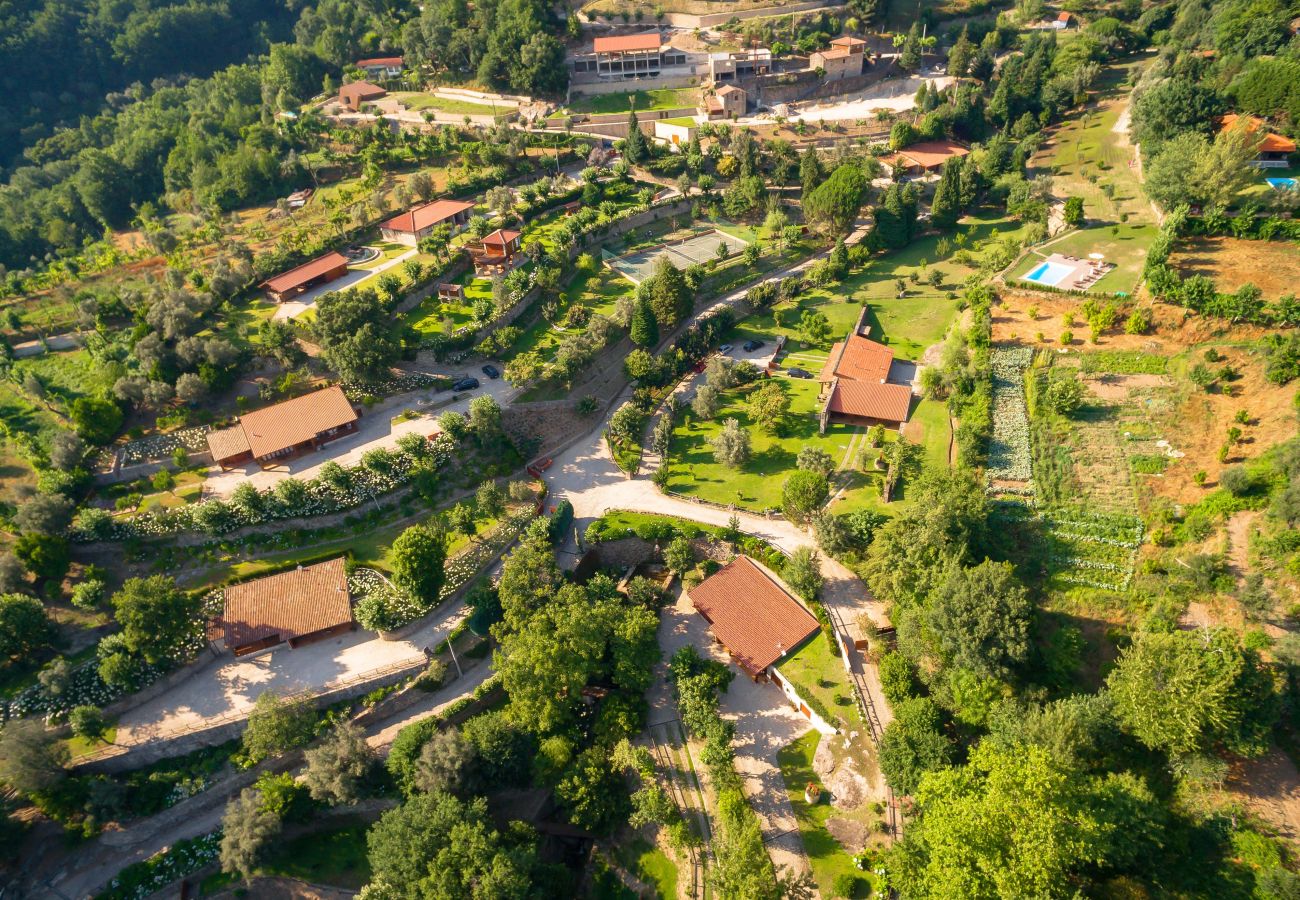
(357, 392)
(335, 489)
(1009, 456)
(183, 858)
(162, 446)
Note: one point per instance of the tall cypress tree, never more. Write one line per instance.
(810, 171)
(643, 329)
(909, 199)
(634, 148)
(945, 209)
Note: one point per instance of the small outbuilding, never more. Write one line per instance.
(300, 606)
(752, 615)
(676, 132)
(358, 92)
(300, 279)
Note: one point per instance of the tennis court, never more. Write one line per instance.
(683, 252)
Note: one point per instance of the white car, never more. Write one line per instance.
(725, 348)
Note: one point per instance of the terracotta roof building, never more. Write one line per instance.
(650, 40)
(381, 66)
(855, 382)
(301, 605)
(358, 92)
(927, 156)
(497, 253)
(416, 223)
(752, 615)
(321, 270)
(284, 429)
(1274, 151)
(628, 56)
(845, 59)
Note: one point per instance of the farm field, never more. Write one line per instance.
(1231, 263)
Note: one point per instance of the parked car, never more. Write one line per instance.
(725, 348)
(465, 384)
(798, 373)
(751, 346)
(491, 371)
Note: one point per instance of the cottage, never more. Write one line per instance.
(300, 606)
(855, 383)
(845, 58)
(497, 253)
(353, 95)
(733, 66)
(381, 68)
(300, 279)
(924, 158)
(285, 429)
(752, 615)
(416, 223)
(1062, 21)
(1274, 150)
(727, 102)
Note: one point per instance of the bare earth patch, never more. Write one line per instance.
(1117, 387)
(1270, 786)
(1272, 266)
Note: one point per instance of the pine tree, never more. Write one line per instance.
(907, 213)
(810, 171)
(945, 209)
(643, 329)
(910, 59)
(890, 233)
(670, 299)
(634, 148)
(959, 57)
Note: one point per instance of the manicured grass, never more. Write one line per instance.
(658, 98)
(652, 866)
(819, 677)
(827, 857)
(929, 427)
(687, 121)
(420, 101)
(387, 251)
(78, 746)
(756, 486)
(434, 316)
(1125, 245)
(336, 857)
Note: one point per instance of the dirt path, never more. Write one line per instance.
(1270, 787)
(1240, 527)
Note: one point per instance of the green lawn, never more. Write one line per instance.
(387, 250)
(434, 316)
(1261, 190)
(757, 486)
(419, 101)
(1125, 245)
(827, 857)
(652, 866)
(658, 98)
(819, 677)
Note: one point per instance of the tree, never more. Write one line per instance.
(337, 768)
(946, 207)
(88, 723)
(981, 619)
(1064, 395)
(635, 147)
(803, 494)
(353, 329)
(662, 437)
(490, 499)
(731, 444)
(45, 556)
(961, 54)
(31, 757)
(832, 207)
(276, 725)
(433, 845)
(643, 329)
(1073, 214)
(1069, 827)
(485, 416)
(1188, 692)
(24, 627)
(42, 513)
(669, 296)
(803, 572)
(679, 556)
(67, 451)
(454, 425)
(815, 327)
(705, 403)
(157, 619)
(811, 174)
(445, 763)
(815, 459)
(768, 405)
(913, 744)
(248, 828)
(418, 556)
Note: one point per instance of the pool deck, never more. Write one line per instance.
(1081, 275)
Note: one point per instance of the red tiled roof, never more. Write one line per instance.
(299, 275)
(226, 443)
(379, 61)
(1064, 17)
(848, 41)
(651, 40)
(291, 604)
(501, 236)
(727, 89)
(887, 402)
(929, 154)
(833, 53)
(1271, 142)
(426, 215)
(751, 614)
(288, 424)
(858, 359)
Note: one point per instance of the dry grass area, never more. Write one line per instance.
(1272, 266)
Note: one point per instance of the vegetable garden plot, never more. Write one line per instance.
(1085, 547)
(1009, 457)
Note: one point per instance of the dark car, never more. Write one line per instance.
(798, 373)
(492, 372)
(751, 346)
(465, 384)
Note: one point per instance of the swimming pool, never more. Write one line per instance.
(1049, 273)
(1282, 184)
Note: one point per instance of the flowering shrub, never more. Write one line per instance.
(336, 488)
(162, 446)
(185, 857)
(1009, 457)
(402, 384)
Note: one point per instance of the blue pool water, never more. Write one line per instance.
(1049, 273)
(1282, 184)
